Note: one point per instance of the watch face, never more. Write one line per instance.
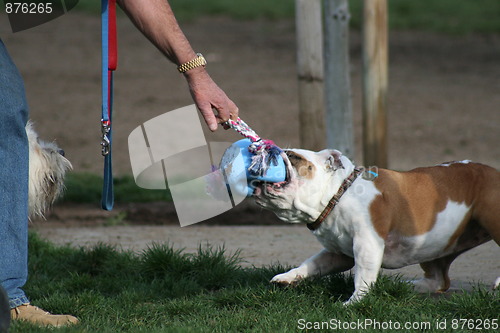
(202, 58)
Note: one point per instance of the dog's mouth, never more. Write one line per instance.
(262, 188)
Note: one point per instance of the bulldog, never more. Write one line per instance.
(385, 219)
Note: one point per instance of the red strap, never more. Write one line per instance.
(112, 45)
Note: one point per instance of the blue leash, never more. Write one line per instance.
(108, 22)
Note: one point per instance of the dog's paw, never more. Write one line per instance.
(355, 297)
(425, 285)
(350, 301)
(286, 279)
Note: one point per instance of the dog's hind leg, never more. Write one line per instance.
(487, 210)
(436, 277)
(320, 264)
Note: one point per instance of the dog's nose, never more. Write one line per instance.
(61, 152)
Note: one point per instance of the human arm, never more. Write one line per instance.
(155, 19)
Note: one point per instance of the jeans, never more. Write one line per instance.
(14, 166)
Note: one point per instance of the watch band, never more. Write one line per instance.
(196, 62)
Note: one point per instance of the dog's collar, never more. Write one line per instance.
(335, 199)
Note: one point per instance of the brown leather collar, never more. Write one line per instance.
(335, 199)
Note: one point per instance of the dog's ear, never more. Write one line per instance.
(333, 162)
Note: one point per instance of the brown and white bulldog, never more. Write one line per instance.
(394, 219)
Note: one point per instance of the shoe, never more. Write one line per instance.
(35, 315)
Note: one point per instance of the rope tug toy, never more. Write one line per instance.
(265, 152)
(245, 162)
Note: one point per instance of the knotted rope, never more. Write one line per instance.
(265, 152)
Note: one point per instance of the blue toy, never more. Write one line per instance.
(242, 167)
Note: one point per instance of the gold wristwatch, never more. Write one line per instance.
(196, 62)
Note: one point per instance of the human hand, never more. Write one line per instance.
(211, 100)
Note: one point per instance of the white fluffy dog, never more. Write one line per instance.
(47, 167)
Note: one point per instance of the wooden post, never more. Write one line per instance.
(339, 120)
(375, 59)
(310, 74)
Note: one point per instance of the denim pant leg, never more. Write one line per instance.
(14, 168)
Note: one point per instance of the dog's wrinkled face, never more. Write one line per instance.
(47, 168)
(309, 175)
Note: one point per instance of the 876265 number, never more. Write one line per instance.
(474, 324)
(28, 8)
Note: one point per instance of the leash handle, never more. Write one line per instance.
(109, 59)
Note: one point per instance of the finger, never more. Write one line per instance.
(235, 111)
(222, 114)
(210, 118)
(229, 111)
(232, 115)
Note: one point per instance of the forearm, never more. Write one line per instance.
(157, 22)
(155, 19)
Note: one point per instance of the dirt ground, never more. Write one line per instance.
(443, 105)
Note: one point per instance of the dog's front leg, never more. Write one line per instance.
(322, 263)
(368, 254)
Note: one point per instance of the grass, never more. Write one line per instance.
(456, 17)
(167, 290)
